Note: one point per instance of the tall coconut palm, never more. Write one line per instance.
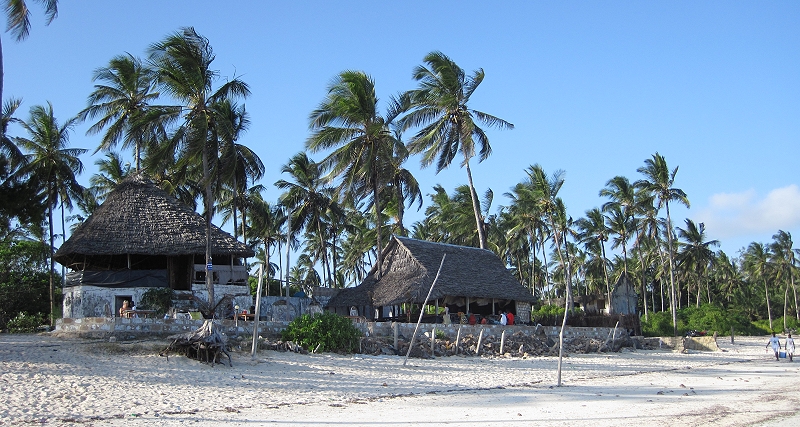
(265, 223)
(183, 63)
(448, 124)
(783, 258)
(659, 180)
(19, 24)
(756, 263)
(121, 99)
(52, 164)
(348, 122)
(403, 186)
(238, 165)
(696, 254)
(593, 229)
(306, 198)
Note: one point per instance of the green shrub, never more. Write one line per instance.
(25, 323)
(327, 330)
(658, 325)
(158, 299)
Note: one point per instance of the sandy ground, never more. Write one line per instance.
(51, 381)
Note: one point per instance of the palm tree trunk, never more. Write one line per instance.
(785, 303)
(605, 273)
(209, 214)
(769, 310)
(288, 245)
(475, 208)
(546, 270)
(671, 274)
(376, 204)
(641, 265)
(52, 261)
(794, 289)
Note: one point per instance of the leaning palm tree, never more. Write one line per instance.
(53, 165)
(19, 24)
(440, 107)
(121, 100)
(348, 122)
(659, 181)
(182, 61)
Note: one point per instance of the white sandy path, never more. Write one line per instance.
(64, 382)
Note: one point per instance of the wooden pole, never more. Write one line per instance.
(396, 333)
(458, 338)
(480, 338)
(433, 341)
(502, 341)
(414, 335)
(257, 313)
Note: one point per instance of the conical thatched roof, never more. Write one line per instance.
(410, 267)
(140, 218)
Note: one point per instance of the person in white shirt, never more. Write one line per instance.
(789, 347)
(776, 345)
(503, 318)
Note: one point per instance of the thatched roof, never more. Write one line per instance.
(137, 217)
(409, 268)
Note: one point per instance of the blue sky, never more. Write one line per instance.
(593, 88)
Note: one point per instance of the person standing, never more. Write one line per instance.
(775, 343)
(789, 347)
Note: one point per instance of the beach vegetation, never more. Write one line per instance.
(325, 332)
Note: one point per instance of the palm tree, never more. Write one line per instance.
(182, 61)
(404, 187)
(265, 222)
(7, 145)
(695, 254)
(756, 263)
(347, 120)
(121, 100)
(238, 164)
(53, 165)
(659, 181)
(783, 257)
(18, 16)
(593, 229)
(306, 198)
(440, 107)
(111, 173)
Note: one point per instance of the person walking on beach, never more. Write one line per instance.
(776, 345)
(789, 347)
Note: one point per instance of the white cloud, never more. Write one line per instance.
(741, 214)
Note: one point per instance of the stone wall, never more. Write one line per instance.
(126, 329)
(122, 328)
(451, 331)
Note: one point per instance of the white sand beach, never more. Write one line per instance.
(52, 381)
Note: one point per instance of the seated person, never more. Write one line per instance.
(125, 307)
(510, 317)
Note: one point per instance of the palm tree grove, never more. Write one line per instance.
(175, 117)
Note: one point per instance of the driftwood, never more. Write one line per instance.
(205, 344)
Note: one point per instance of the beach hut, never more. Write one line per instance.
(142, 238)
(472, 280)
(624, 297)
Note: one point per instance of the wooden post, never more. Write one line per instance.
(433, 341)
(502, 341)
(411, 343)
(396, 333)
(458, 338)
(257, 313)
(480, 338)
